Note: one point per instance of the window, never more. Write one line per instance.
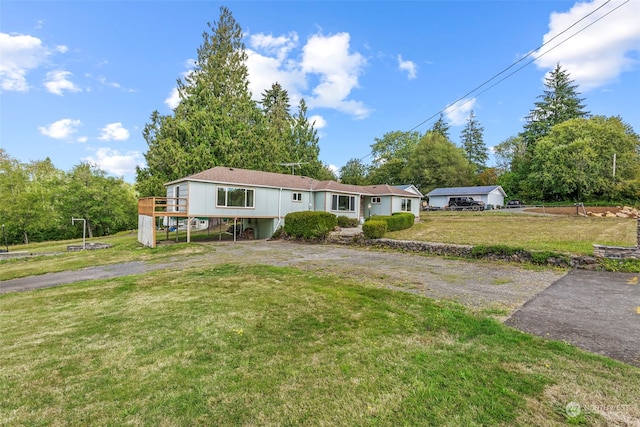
(405, 205)
(231, 197)
(296, 197)
(343, 203)
(375, 200)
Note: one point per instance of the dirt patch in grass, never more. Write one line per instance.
(573, 211)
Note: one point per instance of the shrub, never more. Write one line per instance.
(397, 221)
(544, 258)
(495, 250)
(374, 229)
(278, 233)
(309, 224)
(346, 222)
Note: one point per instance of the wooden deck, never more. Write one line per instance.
(163, 206)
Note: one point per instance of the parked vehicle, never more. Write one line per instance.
(514, 204)
(466, 203)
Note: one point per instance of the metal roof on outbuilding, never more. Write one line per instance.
(464, 191)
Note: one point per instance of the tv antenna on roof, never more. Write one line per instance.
(293, 165)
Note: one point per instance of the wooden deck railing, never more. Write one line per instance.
(163, 206)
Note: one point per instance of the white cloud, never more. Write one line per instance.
(105, 82)
(173, 99)
(318, 121)
(458, 113)
(338, 71)
(82, 139)
(326, 66)
(268, 63)
(114, 132)
(62, 129)
(57, 81)
(115, 162)
(409, 66)
(20, 53)
(599, 54)
(62, 48)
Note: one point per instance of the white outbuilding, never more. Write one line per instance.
(489, 194)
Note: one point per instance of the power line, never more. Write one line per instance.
(520, 60)
(523, 58)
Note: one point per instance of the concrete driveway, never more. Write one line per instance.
(596, 311)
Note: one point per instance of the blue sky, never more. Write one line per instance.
(79, 79)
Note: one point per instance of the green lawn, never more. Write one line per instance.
(258, 345)
(574, 235)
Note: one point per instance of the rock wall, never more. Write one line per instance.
(465, 251)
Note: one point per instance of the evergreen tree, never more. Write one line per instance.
(441, 127)
(560, 102)
(216, 121)
(278, 122)
(472, 142)
(304, 148)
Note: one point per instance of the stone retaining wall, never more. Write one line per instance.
(464, 251)
(619, 252)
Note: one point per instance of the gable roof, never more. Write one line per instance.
(235, 176)
(463, 191)
(411, 188)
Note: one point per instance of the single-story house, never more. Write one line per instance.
(489, 194)
(260, 200)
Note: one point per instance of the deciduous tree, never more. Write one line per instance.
(437, 162)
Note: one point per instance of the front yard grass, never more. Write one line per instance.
(258, 345)
(575, 235)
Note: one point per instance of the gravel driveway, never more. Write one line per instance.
(501, 289)
(595, 311)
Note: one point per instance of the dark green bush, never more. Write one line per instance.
(497, 250)
(374, 229)
(278, 233)
(309, 224)
(543, 257)
(346, 222)
(397, 221)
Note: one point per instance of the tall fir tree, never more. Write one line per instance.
(441, 127)
(215, 123)
(305, 148)
(560, 102)
(278, 121)
(472, 141)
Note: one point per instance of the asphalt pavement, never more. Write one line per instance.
(596, 311)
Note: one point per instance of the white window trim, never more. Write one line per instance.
(374, 202)
(298, 199)
(226, 188)
(352, 202)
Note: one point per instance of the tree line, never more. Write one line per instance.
(39, 201)
(563, 153)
